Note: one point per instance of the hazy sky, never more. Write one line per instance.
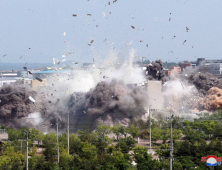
(40, 26)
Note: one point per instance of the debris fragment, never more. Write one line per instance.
(64, 34)
(132, 27)
(74, 15)
(147, 45)
(174, 37)
(108, 3)
(169, 19)
(91, 41)
(187, 29)
(89, 15)
(184, 42)
(4, 55)
(30, 98)
(141, 40)
(38, 79)
(29, 72)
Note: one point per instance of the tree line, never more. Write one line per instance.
(116, 148)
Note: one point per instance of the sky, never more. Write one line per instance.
(37, 31)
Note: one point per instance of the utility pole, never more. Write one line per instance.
(68, 133)
(171, 142)
(150, 126)
(27, 150)
(57, 134)
(21, 143)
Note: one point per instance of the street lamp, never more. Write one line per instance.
(27, 149)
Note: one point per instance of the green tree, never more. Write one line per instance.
(116, 131)
(134, 131)
(144, 160)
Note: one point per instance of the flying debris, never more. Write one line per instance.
(4, 55)
(55, 61)
(39, 79)
(91, 41)
(182, 85)
(74, 15)
(187, 29)
(30, 98)
(21, 57)
(64, 34)
(184, 42)
(141, 40)
(29, 72)
(169, 19)
(76, 63)
(132, 27)
(147, 45)
(108, 3)
(164, 83)
(89, 15)
(174, 37)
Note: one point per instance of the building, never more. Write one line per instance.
(185, 64)
(175, 70)
(215, 68)
(88, 65)
(11, 80)
(37, 84)
(204, 66)
(9, 74)
(155, 98)
(3, 135)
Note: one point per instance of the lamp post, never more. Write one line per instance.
(150, 126)
(171, 142)
(27, 150)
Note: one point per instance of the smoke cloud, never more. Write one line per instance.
(155, 71)
(204, 81)
(213, 100)
(15, 101)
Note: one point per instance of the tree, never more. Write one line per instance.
(116, 131)
(156, 133)
(74, 144)
(134, 131)
(103, 130)
(49, 143)
(144, 160)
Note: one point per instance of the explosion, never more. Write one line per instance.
(204, 81)
(15, 102)
(112, 102)
(213, 100)
(155, 71)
